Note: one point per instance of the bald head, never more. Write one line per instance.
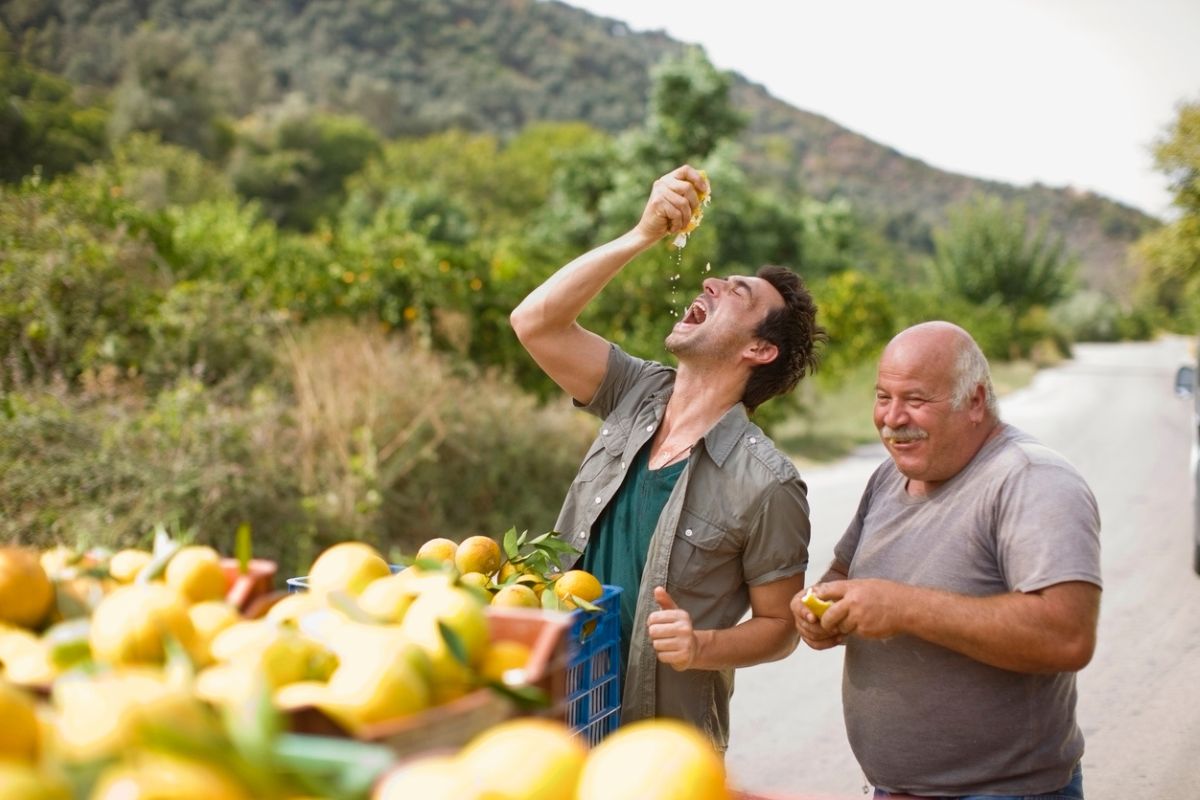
(944, 350)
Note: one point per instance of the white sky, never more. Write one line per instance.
(1066, 92)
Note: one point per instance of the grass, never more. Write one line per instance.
(836, 418)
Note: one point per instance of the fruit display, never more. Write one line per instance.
(131, 675)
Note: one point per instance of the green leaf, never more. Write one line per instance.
(454, 643)
(510, 544)
(586, 605)
(527, 698)
(242, 547)
(343, 602)
(164, 550)
(68, 643)
(539, 539)
(550, 601)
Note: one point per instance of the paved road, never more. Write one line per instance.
(1112, 412)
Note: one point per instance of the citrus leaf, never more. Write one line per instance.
(527, 698)
(586, 605)
(454, 643)
(346, 604)
(550, 601)
(242, 547)
(511, 549)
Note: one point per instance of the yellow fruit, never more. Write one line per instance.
(347, 567)
(209, 619)
(660, 758)
(457, 609)
(815, 604)
(526, 576)
(106, 715)
(294, 607)
(60, 561)
(26, 594)
(195, 572)
(442, 550)
(387, 599)
(428, 778)
(478, 554)
(516, 595)
(244, 636)
(19, 731)
(419, 581)
(531, 759)
(126, 564)
(23, 782)
(583, 585)
(278, 654)
(163, 777)
(476, 579)
(26, 659)
(378, 684)
(132, 624)
(501, 659)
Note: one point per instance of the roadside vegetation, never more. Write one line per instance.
(215, 313)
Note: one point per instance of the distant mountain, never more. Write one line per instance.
(414, 66)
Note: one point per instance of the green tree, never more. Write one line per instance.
(1169, 280)
(41, 126)
(166, 88)
(987, 253)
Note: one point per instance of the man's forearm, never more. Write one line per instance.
(557, 303)
(755, 641)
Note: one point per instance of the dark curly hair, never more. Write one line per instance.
(794, 330)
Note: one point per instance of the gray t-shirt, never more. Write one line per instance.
(924, 719)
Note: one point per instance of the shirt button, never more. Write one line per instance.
(604, 432)
(649, 428)
(753, 440)
(622, 465)
(583, 534)
(599, 500)
(688, 532)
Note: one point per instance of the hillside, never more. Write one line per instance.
(412, 66)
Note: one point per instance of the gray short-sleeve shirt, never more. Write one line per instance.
(924, 719)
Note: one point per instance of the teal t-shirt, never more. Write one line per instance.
(620, 539)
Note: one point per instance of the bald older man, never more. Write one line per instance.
(966, 590)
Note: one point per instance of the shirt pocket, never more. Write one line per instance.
(701, 550)
(608, 447)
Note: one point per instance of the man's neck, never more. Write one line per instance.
(698, 401)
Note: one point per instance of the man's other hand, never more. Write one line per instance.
(672, 200)
(671, 632)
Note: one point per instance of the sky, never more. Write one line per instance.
(1063, 92)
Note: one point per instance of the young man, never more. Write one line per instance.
(682, 501)
(966, 590)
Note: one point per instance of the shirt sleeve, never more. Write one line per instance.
(622, 373)
(1047, 528)
(843, 551)
(778, 544)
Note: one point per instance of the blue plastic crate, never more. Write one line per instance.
(593, 692)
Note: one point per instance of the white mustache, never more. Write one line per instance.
(908, 433)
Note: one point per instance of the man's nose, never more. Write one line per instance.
(713, 286)
(894, 414)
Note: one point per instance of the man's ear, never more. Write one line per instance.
(977, 406)
(761, 352)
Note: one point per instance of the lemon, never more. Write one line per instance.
(442, 550)
(531, 759)
(26, 594)
(106, 715)
(504, 662)
(516, 595)
(525, 576)
(815, 604)
(478, 554)
(23, 782)
(293, 608)
(163, 777)
(378, 684)
(577, 583)
(126, 564)
(476, 579)
(660, 758)
(132, 624)
(209, 618)
(428, 778)
(348, 567)
(19, 733)
(458, 610)
(195, 572)
(387, 599)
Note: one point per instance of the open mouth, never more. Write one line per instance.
(696, 313)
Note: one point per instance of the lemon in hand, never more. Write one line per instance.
(815, 604)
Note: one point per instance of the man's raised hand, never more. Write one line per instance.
(673, 198)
